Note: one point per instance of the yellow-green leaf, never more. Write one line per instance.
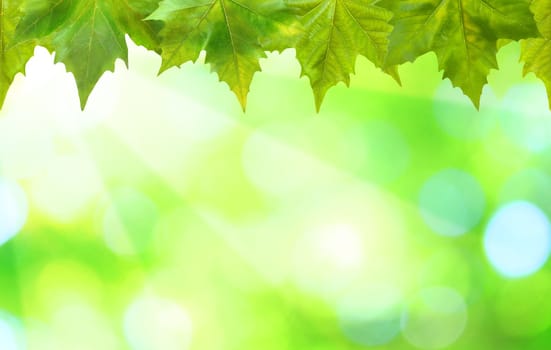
(88, 36)
(335, 33)
(536, 53)
(13, 56)
(232, 32)
(462, 33)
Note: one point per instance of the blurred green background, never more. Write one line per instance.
(162, 217)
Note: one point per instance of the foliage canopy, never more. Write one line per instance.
(88, 36)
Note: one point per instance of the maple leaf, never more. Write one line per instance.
(335, 33)
(462, 33)
(536, 53)
(234, 34)
(88, 36)
(13, 56)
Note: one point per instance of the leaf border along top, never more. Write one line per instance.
(328, 35)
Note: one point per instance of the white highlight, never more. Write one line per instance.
(13, 210)
(152, 323)
(518, 239)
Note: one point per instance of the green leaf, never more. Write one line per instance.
(536, 53)
(335, 33)
(462, 33)
(234, 33)
(88, 36)
(13, 56)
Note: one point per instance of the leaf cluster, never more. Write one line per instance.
(88, 36)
